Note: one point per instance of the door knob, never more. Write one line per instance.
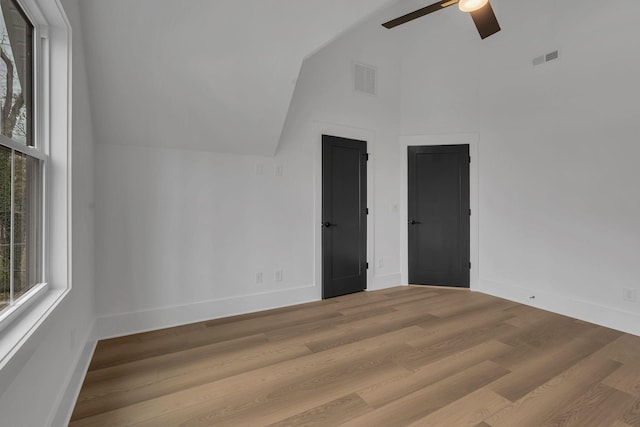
(413, 222)
(328, 224)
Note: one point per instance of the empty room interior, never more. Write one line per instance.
(285, 213)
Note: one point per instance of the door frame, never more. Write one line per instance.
(343, 131)
(473, 141)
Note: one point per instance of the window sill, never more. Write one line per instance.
(12, 313)
(19, 340)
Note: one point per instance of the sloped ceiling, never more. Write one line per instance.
(203, 74)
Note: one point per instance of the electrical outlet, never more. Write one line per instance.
(278, 275)
(629, 294)
(258, 278)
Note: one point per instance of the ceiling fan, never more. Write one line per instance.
(480, 10)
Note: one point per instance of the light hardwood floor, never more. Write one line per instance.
(414, 356)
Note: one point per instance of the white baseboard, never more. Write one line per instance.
(67, 401)
(587, 311)
(386, 281)
(166, 317)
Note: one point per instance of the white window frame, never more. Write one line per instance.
(52, 141)
(23, 302)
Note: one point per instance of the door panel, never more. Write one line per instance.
(439, 215)
(344, 201)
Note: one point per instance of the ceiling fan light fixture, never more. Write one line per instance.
(471, 5)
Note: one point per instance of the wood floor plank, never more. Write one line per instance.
(422, 356)
(357, 299)
(317, 329)
(332, 413)
(396, 388)
(518, 356)
(442, 330)
(438, 347)
(626, 379)
(546, 333)
(625, 349)
(632, 415)
(525, 315)
(422, 402)
(369, 328)
(389, 302)
(539, 404)
(599, 406)
(542, 365)
(467, 303)
(618, 423)
(274, 401)
(287, 400)
(443, 301)
(467, 411)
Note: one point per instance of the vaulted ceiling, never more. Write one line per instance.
(202, 74)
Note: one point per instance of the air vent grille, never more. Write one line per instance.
(364, 78)
(546, 58)
(551, 56)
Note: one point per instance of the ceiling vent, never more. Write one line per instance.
(545, 58)
(551, 56)
(364, 78)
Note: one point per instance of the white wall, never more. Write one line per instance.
(208, 68)
(56, 354)
(181, 234)
(559, 195)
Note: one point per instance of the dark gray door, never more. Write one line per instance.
(438, 215)
(344, 216)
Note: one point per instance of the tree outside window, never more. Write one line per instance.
(19, 172)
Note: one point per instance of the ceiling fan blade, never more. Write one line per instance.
(486, 21)
(419, 13)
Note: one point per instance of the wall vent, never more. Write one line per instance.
(364, 78)
(551, 56)
(545, 58)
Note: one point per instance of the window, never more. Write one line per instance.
(35, 175)
(22, 161)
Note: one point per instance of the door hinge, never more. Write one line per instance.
(367, 210)
(469, 266)
(367, 265)
(469, 159)
(469, 212)
(366, 156)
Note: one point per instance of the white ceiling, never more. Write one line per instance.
(203, 74)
